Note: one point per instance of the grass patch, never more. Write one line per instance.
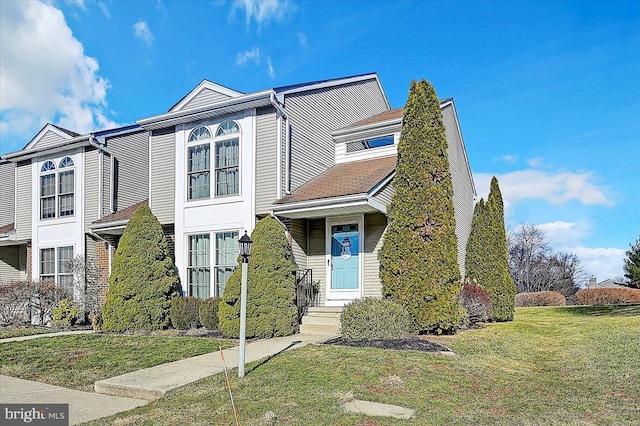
(6, 333)
(551, 366)
(77, 361)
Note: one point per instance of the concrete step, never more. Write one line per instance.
(325, 309)
(324, 330)
(320, 320)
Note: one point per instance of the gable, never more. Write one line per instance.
(50, 135)
(206, 93)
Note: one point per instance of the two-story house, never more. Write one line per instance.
(319, 156)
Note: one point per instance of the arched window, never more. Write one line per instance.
(199, 134)
(48, 166)
(226, 162)
(57, 189)
(66, 162)
(227, 128)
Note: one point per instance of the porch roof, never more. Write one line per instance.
(116, 222)
(342, 189)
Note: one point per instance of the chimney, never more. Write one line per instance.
(592, 281)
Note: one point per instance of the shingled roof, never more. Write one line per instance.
(392, 114)
(7, 228)
(122, 215)
(356, 177)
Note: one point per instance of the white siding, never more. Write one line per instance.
(205, 97)
(315, 114)
(266, 159)
(23, 200)
(462, 184)
(299, 242)
(7, 193)
(163, 169)
(384, 196)
(374, 227)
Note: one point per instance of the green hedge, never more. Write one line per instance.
(208, 311)
(184, 313)
(376, 319)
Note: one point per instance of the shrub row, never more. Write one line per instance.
(540, 298)
(477, 302)
(376, 319)
(607, 296)
(26, 301)
(191, 312)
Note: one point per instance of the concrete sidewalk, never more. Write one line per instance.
(39, 336)
(152, 383)
(83, 406)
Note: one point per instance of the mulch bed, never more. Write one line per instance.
(413, 343)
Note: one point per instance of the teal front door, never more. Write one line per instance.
(345, 261)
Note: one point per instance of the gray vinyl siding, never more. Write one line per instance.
(90, 249)
(13, 263)
(106, 184)
(48, 139)
(385, 194)
(315, 114)
(91, 187)
(24, 186)
(299, 242)
(205, 97)
(266, 159)
(462, 184)
(374, 227)
(162, 159)
(7, 193)
(131, 152)
(316, 257)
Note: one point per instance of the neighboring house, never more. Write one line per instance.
(608, 283)
(319, 156)
(55, 187)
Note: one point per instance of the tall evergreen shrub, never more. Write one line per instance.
(143, 278)
(486, 260)
(418, 259)
(271, 294)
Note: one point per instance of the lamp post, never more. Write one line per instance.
(245, 251)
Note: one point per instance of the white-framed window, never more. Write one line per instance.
(57, 189)
(226, 165)
(202, 261)
(54, 267)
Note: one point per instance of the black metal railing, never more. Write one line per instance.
(306, 292)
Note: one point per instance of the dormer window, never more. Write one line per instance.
(57, 189)
(370, 143)
(226, 167)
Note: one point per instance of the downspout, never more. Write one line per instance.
(280, 108)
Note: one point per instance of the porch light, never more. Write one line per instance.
(245, 247)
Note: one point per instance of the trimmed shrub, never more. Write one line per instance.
(208, 311)
(540, 298)
(477, 302)
(419, 257)
(184, 312)
(65, 314)
(607, 296)
(271, 292)
(371, 318)
(143, 278)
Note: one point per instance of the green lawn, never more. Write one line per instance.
(77, 361)
(551, 366)
(6, 333)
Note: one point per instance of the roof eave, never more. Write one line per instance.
(63, 146)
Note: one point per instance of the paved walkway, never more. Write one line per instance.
(125, 392)
(38, 336)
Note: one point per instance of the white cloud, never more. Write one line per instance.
(142, 32)
(270, 70)
(262, 11)
(78, 3)
(535, 162)
(557, 189)
(602, 262)
(509, 159)
(54, 80)
(302, 39)
(105, 10)
(252, 55)
(565, 233)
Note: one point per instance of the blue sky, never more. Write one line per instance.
(547, 93)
